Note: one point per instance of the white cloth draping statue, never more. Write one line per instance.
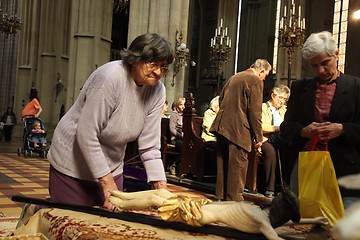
(243, 216)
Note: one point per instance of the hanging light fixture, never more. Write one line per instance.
(9, 24)
(291, 33)
(120, 5)
(181, 55)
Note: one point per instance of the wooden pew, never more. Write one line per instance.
(193, 144)
(194, 147)
(167, 148)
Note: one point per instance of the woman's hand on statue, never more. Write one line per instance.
(159, 185)
(108, 185)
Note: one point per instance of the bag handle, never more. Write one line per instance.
(315, 142)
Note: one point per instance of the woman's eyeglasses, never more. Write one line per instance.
(281, 97)
(153, 66)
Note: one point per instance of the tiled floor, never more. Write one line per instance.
(20, 176)
(29, 177)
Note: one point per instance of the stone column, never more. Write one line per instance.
(27, 53)
(90, 42)
(164, 18)
(64, 40)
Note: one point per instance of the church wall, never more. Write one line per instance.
(69, 39)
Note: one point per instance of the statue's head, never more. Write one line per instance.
(284, 207)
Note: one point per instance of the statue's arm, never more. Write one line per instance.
(139, 200)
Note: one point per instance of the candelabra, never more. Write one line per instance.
(9, 24)
(291, 33)
(181, 55)
(220, 48)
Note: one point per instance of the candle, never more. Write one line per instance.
(290, 23)
(284, 11)
(282, 23)
(227, 41)
(226, 31)
(221, 41)
(299, 11)
(221, 22)
(230, 43)
(293, 9)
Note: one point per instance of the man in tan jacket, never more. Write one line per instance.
(237, 127)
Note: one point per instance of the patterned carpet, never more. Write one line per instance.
(29, 177)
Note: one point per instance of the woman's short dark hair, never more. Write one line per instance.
(148, 47)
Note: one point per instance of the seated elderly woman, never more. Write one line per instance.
(243, 216)
(273, 112)
(208, 119)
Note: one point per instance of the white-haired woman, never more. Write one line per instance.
(273, 112)
(325, 107)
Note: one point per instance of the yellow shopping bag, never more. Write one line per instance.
(319, 193)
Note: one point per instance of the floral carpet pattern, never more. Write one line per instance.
(65, 224)
(7, 225)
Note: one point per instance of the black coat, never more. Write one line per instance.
(345, 109)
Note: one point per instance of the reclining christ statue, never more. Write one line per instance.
(244, 216)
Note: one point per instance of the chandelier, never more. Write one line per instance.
(9, 24)
(220, 49)
(291, 33)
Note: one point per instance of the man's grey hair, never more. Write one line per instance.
(261, 64)
(317, 44)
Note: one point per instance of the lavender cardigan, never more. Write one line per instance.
(111, 110)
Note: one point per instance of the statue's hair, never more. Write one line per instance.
(317, 44)
(284, 207)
